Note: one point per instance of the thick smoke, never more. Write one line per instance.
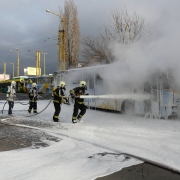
(158, 52)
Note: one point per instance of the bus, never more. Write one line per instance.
(158, 97)
(21, 83)
(44, 83)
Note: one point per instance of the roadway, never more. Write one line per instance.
(17, 137)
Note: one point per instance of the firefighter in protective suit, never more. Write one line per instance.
(79, 102)
(58, 92)
(11, 95)
(33, 96)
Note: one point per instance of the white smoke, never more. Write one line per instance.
(157, 52)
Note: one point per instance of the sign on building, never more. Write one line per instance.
(4, 77)
(31, 71)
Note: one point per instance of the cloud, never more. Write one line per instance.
(24, 21)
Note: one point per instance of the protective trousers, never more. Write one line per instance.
(11, 105)
(57, 107)
(78, 106)
(32, 105)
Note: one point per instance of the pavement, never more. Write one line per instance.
(12, 137)
(17, 137)
(144, 171)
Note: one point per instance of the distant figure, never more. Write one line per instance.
(33, 97)
(57, 94)
(11, 95)
(79, 102)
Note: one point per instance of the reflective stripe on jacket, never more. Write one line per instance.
(57, 94)
(11, 93)
(78, 91)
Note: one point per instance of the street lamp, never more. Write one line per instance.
(4, 71)
(17, 61)
(47, 10)
(61, 43)
(12, 69)
(44, 62)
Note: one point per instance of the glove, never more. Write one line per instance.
(86, 94)
(63, 100)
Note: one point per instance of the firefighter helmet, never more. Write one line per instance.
(13, 83)
(82, 84)
(34, 85)
(62, 84)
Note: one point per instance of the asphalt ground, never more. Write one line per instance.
(144, 171)
(17, 137)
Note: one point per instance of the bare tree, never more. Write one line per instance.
(71, 33)
(123, 28)
(96, 50)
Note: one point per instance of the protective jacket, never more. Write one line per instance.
(79, 103)
(11, 93)
(33, 94)
(78, 91)
(58, 93)
(57, 96)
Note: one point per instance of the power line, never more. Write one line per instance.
(31, 42)
(41, 47)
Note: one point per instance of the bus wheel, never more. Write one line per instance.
(128, 107)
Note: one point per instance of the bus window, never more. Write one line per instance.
(20, 84)
(44, 83)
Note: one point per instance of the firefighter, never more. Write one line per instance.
(11, 95)
(78, 102)
(58, 92)
(33, 97)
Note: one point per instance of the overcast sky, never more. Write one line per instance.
(26, 25)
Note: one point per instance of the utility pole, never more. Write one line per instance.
(38, 59)
(18, 62)
(4, 70)
(61, 44)
(12, 69)
(44, 62)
